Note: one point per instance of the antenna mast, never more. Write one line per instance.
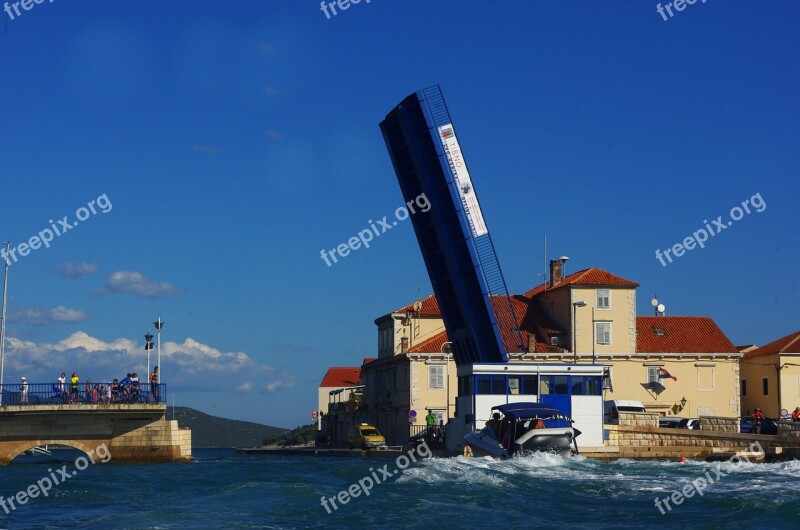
(3, 322)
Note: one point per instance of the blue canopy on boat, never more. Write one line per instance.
(528, 410)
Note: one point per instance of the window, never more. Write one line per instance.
(523, 384)
(436, 376)
(705, 378)
(652, 374)
(594, 386)
(660, 332)
(586, 385)
(744, 387)
(439, 415)
(465, 385)
(385, 343)
(498, 384)
(555, 340)
(765, 386)
(602, 333)
(491, 384)
(561, 384)
(603, 299)
(529, 384)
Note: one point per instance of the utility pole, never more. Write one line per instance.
(3, 322)
(159, 324)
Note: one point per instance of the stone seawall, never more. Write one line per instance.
(135, 433)
(638, 436)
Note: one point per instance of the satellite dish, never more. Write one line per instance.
(417, 306)
(661, 308)
(654, 302)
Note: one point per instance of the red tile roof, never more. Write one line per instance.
(525, 312)
(431, 345)
(788, 344)
(681, 335)
(430, 307)
(587, 277)
(342, 376)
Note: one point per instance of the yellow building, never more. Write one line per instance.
(770, 377)
(674, 365)
(413, 374)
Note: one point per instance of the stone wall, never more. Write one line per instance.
(639, 419)
(637, 441)
(138, 433)
(719, 424)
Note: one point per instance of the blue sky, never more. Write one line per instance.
(235, 140)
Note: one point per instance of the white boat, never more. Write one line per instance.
(520, 428)
(39, 450)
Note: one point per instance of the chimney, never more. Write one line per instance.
(555, 272)
(531, 343)
(404, 345)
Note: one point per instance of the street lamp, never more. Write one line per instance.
(447, 371)
(148, 346)
(575, 306)
(3, 321)
(159, 324)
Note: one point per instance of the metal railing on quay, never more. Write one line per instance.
(433, 430)
(94, 393)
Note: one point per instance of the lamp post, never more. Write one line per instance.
(447, 376)
(575, 306)
(148, 347)
(3, 322)
(594, 340)
(159, 324)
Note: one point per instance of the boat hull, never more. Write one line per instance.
(548, 440)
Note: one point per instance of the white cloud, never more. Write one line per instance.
(39, 316)
(136, 283)
(76, 270)
(274, 386)
(188, 366)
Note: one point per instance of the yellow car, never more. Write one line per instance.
(365, 436)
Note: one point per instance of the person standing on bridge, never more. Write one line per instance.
(74, 384)
(62, 383)
(154, 384)
(23, 390)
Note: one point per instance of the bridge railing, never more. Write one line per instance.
(97, 393)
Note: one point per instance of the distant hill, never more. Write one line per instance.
(213, 431)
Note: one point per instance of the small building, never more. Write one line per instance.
(339, 385)
(770, 377)
(576, 390)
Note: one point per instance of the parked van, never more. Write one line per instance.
(365, 436)
(612, 408)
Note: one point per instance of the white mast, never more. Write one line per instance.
(3, 322)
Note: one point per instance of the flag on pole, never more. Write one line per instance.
(663, 374)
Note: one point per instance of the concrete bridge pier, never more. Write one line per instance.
(137, 433)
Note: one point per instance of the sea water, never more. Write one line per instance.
(224, 489)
